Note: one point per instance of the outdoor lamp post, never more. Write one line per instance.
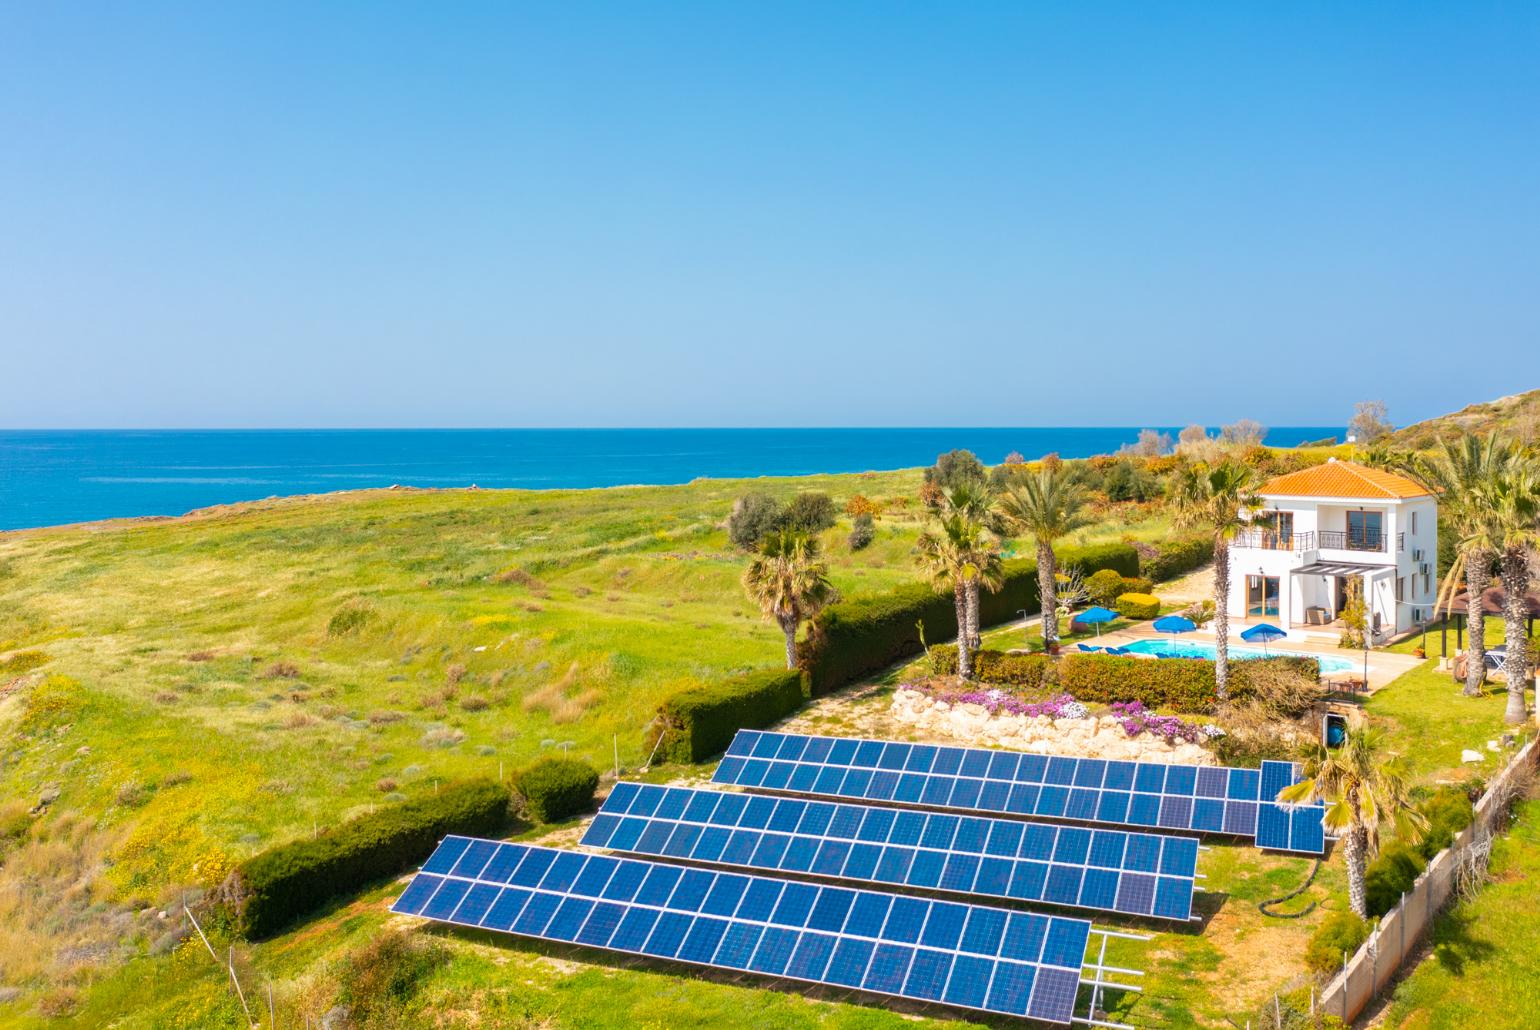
(1025, 629)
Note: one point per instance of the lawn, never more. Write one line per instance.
(240, 677)
(1484, 969)
(234, 678)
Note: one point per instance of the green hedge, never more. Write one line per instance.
(700, 722)
(1137, 606)
(270, 891)
(1173, 558)
(556, 787)
(1181, 684)
(1022, 670)
(1342, 932)
(853, 639)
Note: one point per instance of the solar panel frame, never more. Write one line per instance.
(949, 852)
(1034, 957)
(1143, 795)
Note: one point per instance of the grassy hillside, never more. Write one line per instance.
(177, 694)
(1517, 416)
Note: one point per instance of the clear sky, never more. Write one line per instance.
(509, 214)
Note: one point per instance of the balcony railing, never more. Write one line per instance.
(1367, 540)
(1266, 540)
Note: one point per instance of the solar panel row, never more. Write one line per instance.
(1205, 799)
(970, 956)
(1109, 870)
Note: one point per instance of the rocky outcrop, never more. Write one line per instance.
(1092, 737)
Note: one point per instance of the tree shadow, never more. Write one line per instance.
(1454, 947)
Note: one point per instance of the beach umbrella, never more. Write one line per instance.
(1262, 634)
(1095, 617)
(1174, 624)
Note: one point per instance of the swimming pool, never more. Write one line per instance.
(1184, 649)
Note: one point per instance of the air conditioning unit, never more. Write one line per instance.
(1416, 554)
(1424, 568)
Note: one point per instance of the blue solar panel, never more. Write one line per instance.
(969, 956)
(933, 850)
(1201, 799)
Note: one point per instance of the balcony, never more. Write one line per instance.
(1266, 540)
(1371, 540)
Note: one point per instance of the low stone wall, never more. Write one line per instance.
(1093, 737)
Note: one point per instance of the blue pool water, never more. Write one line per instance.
(1185, 649)
(53, 476)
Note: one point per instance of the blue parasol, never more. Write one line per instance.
(1262, 634)
(1095, 617)
(1174, 624)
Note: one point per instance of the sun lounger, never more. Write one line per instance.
(1118, 650)
(1088, 648)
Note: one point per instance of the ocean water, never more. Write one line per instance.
(48, 477)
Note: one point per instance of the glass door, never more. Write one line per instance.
(1262, 595)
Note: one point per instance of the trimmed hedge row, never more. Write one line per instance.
(1137, 606)
(700, 722)
(272, 890)
(853, 639)
(1182, 684)
(1177, 557)
(1022, 670)
(555, 787)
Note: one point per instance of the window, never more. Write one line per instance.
(1400, 588)
(1414, 523)
(1365, 530)
(1277, 529)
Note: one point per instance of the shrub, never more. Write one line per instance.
(1448, 812)
(809, 513)
(1342, 933)
(349, 619)
(556, 787)
(852, 639)
(384, 974)
(753, 516)
(1169, 559)
(22, 661)
(1138, 606)
(859, 505)
(1022, 670)
(700, 722)
(1181, 684)
(273, 889)
(862, 532)
(1391, 874)
(1104, 586)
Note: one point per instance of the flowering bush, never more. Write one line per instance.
(1136, 719)
(997, 702)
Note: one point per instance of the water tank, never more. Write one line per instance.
(1334, 729)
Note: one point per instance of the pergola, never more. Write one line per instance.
(1493, 602)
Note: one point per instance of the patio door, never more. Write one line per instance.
(1262, 595)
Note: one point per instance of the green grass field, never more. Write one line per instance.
(1484, 967)
(219, 683)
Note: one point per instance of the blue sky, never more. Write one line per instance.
(776, 214)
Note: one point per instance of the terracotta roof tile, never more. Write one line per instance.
(1343, 479)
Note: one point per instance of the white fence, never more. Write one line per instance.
(1365, 974)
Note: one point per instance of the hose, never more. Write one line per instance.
(1265, 906)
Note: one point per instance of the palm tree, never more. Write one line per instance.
(1510, 528)
(948, 553)
(789, 583)
(1363, 788)
(1218, 499)
(1458, 473)
(975, 505)
(1048, 506)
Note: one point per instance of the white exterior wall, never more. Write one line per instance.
(1407, 550)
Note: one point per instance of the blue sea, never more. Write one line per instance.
(48, 477)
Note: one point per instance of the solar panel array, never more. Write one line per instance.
(1203, 799)
(1109, 870)
(971, 956)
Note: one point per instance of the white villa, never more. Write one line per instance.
(1322, 527)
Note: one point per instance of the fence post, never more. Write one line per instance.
(1401, 911)
(1344, 986)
